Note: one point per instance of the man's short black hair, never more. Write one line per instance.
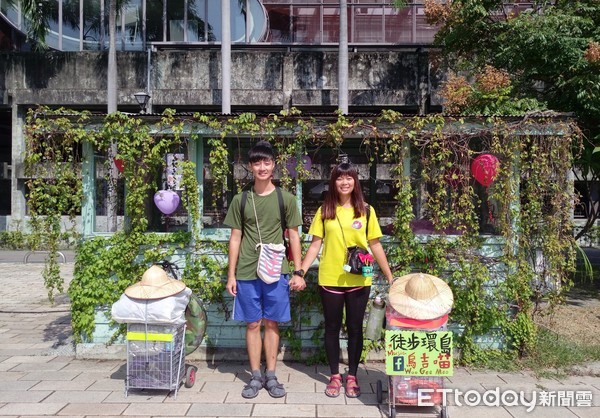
(261, 151)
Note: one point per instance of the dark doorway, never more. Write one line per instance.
(5, 160)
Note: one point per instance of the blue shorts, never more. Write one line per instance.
(256, 300)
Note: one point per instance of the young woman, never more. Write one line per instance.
(341, 222)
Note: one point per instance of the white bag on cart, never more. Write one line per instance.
(154, 310)
(169, 310)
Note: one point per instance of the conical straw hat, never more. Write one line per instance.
(155, 284)
(420, 296)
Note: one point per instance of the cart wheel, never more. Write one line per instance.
(444, 413)
(190, 376)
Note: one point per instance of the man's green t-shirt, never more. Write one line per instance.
(267, 209)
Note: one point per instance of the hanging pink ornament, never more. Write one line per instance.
(485, 168)
(292, 163)
(166, 201)
(120, 164)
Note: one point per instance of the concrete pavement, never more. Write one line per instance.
(40, 376)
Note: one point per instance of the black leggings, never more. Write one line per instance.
(333, 302)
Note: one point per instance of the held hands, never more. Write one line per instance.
(297, 283)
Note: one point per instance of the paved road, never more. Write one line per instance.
(40, 375)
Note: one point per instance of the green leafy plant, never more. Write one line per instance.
(495, 293)
(522, 59)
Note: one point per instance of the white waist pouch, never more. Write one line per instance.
(270, 262)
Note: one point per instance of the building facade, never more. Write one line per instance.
(284, 54)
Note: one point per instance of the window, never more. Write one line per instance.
(377, 181)
(588, 193)
(165, 212)
(485, 207)
(215, 201)
(103, 203)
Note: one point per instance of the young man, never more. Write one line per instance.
(255, 301)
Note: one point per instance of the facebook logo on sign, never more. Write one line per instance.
(398, 363)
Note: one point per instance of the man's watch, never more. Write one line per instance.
(298, 273)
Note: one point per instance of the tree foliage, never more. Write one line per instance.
(37, 14)
(551, 50)
(548, 53)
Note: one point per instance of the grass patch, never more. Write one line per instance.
(552, 356)
(555, 354)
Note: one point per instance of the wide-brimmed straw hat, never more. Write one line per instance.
(420, 296)
(155, 284)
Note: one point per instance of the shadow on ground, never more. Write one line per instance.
(60, 333)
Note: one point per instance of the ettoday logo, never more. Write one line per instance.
(496, 397)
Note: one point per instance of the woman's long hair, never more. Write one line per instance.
(332, 196)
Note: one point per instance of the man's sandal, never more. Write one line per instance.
(333, 387)
(352, 388)
(251, 389)
(275, 389)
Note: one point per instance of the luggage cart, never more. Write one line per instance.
(156, 359)
(403, 390)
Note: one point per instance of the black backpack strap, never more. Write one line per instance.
(243, 208)
(282, 215)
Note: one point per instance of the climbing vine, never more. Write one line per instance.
(53, 166)
(504, 248)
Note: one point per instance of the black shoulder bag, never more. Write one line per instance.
(355, 254)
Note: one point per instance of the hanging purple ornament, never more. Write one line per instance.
(166, 201)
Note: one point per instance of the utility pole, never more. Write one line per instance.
(343, 59)
(111, 100)
(225, 57)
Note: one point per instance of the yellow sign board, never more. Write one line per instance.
(418, 353)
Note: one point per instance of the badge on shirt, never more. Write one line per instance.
(357, 224)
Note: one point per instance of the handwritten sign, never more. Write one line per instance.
(418, 353)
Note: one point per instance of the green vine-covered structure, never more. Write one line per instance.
(506, 248)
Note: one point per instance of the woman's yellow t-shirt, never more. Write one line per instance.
(333, 256)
